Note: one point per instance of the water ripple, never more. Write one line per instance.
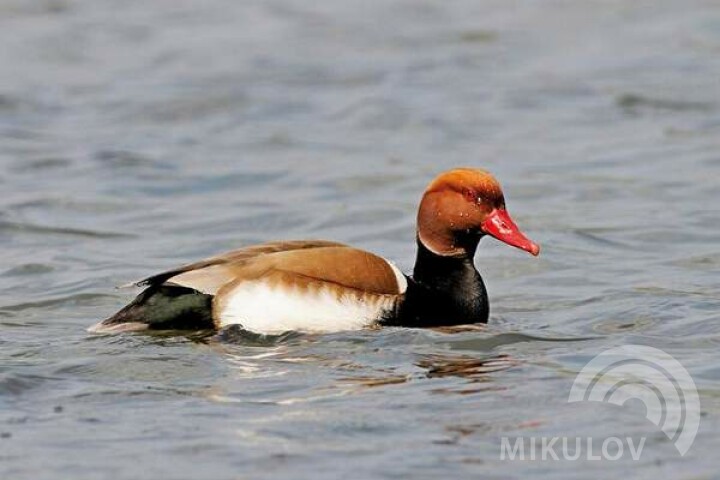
(28, 228)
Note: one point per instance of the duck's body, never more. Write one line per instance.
(321, 286)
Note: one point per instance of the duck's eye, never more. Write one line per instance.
(470, 196)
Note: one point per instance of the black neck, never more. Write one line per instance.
(444, 290)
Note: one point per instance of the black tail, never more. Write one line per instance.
(162, 307)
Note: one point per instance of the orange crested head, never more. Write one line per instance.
(459, 207)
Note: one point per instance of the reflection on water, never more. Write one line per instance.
(134, 139)
(465, 366)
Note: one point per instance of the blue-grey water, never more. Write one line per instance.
(138, 135)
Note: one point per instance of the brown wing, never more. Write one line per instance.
(339, 265)
(275, 301)
(294, 290)
(215, 270)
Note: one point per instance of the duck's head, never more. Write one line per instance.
(462, 205)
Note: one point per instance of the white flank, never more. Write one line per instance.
(273, 309)
(401, 280)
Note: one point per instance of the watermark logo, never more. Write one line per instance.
(629, 372)
(651, 376)
(569, 448)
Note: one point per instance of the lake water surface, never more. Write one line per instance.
(138, 135)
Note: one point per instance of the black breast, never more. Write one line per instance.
(443, 291)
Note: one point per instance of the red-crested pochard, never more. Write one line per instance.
(321, 286)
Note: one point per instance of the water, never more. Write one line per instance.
(137, 137)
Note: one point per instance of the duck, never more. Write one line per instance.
(320, 286)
